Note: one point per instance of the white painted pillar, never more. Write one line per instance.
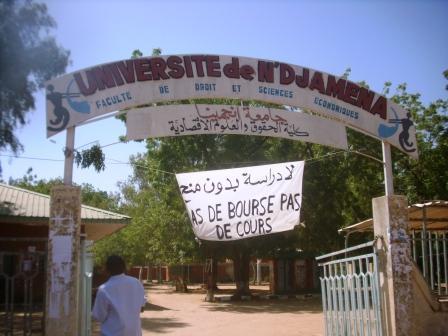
(61, 311)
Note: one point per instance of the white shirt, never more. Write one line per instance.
(117, 306)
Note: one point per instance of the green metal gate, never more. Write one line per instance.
(350, 292)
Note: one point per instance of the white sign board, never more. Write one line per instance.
(177, 120)
(232, 204)
(88, 93)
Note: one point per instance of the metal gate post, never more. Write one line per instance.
(85, 291)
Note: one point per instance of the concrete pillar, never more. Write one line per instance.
(61, 309)
(390, 220)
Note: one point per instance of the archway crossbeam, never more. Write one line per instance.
(101, 89)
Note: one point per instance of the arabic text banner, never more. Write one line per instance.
(232, 204)
(178, 120)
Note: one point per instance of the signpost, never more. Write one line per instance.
(69, 156)
(75, 98)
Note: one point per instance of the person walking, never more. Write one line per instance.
(119, 301)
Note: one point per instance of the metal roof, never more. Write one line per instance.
(21, 205)
(434, 214)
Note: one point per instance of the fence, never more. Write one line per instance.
(350, 292)
(21, 282)
(429, 251)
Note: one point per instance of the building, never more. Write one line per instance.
(24, 219)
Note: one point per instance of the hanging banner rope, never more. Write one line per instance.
(232, 204)
(88, 93)
(178, 120)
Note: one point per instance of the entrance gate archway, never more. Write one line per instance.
(78, 97)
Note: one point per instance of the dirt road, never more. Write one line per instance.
(171, 313)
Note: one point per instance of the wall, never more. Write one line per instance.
(430, 319)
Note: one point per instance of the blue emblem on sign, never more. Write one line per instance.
(80, 106)
(61, 114)
(388, 130)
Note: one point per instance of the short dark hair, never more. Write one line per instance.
(115, 265)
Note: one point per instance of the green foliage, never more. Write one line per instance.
(346, 73)
(89, 194)
(157, 234)
(327, 204)
(337, 190)
(445, 74)
(28, 57)
(30, 182)
(136, 53)
(427, 178)
(338, 186)
(93, 156)
(99, 198)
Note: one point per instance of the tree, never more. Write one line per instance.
(28, 57)
(152, 197)
(338, 187)
(89, 194)
(427, 178)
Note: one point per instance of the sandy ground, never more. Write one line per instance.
(171, 313)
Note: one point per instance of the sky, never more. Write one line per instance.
(397, 41)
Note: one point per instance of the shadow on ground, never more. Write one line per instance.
(293, 306)
(153, 307)
(256, 306)
(161, 325)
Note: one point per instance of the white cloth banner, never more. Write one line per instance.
(232, 204)
(177, 120)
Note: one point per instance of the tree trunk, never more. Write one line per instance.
(211, 276)
(214, 279)
(140, 273)
(180, 281)
(159, 274)
(241, 261)
(148, 275)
